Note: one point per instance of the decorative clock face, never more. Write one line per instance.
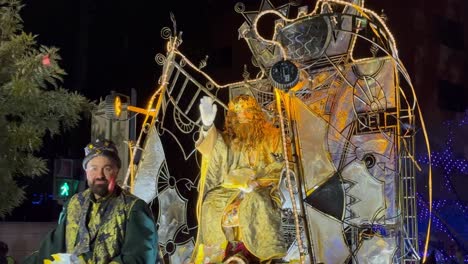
(284, 75)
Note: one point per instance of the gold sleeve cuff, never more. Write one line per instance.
(205, 144)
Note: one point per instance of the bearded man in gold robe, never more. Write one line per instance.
(239, 206)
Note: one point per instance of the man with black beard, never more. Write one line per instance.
(103, 224)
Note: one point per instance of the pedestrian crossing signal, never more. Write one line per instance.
(65, 188)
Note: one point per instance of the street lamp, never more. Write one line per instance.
(114, 106)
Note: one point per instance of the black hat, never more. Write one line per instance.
(101, 147)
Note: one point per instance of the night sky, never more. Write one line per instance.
(111, 44)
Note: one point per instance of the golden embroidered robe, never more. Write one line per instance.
(117, 229)
(224, 171)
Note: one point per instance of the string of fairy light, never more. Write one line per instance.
(446, 159)
(172, 49)
(450, 166)
(391, 40)
(440, 226)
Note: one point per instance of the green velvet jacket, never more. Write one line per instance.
(116, 229)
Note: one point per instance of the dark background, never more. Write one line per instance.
(110, 45)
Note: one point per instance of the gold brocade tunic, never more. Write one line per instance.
(117, 229)
(227, 170)
(97, 230)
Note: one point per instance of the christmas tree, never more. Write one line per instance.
(32, 104)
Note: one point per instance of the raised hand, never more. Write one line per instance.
(207, 110)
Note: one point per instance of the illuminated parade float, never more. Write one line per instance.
(327, 172)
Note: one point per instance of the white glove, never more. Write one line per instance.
(207, 111)
(246, 190)
(249, 188)
(64, 258)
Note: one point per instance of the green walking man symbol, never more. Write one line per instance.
(65, 189)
